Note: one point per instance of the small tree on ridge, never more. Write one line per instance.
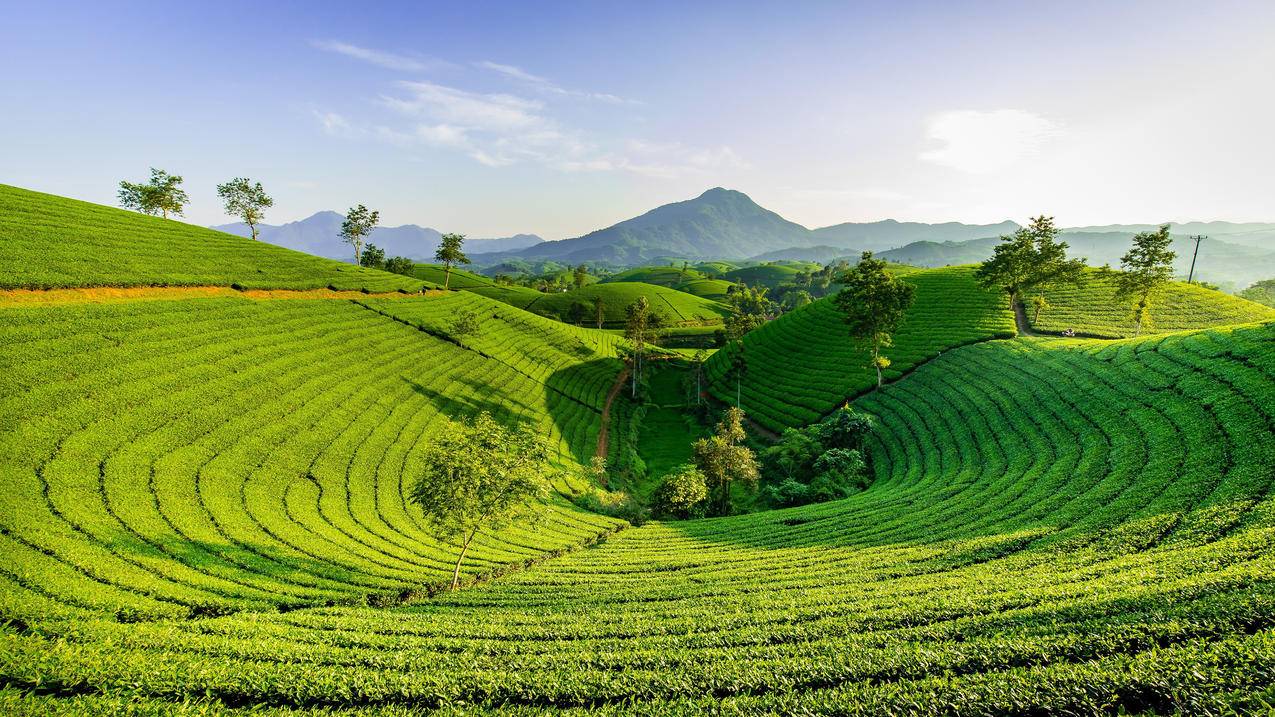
(1147, 266)
(449, 253)
(162, 195)
(874, 303)
(245, 200)
(359, 223)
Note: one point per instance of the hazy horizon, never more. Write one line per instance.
(496, 119)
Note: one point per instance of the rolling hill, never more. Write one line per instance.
(48, 242)
(202, 504)
(676, 307)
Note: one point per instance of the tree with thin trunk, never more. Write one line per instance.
(641, 328)
(738, 367)
(874, 303)
(580, 276)
(599, 310)
(724, 459)
(449, 253)
(1030, 258)
(162, 195)
(359, 223)
(245, 200)
(479, 475)
(697, 363)
(1039, 304)
(1146, 268)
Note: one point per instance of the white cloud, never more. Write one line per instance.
(498, 112)
(388, 60)
(545, 85)
(981, 142)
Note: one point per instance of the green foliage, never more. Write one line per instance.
(161, 196)
(373, 257)
(875, 304)
(802, 367)
(1031, 259)
(1146, 268)
(1262, 292)
(724, 460)
(823, 461)
(246, 200)
(465, 323)
(54, 242)
(400, 265)
(449, 253)
(357, 225)
(683, 493)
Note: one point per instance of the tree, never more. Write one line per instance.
(641, 328)
(874, 303)
(697, 365)
(162, 195)
(358, 224)
(682, 493)
(464, 324)
(245, 200)
(478, 474)
(580, 276)
(400, 265)
(1038, 304)
(1147, 267)
(1262, 292)
(599, 310)
(1030, 258)
(724, 460)
(738, 367)
(449, 253)
(373, 256)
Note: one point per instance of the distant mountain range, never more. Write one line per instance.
(727, 224)
(319, 234)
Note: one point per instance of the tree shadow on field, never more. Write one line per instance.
(472, 402)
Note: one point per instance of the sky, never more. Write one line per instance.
(494, 118)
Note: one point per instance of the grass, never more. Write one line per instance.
(54, 242)
(669, 276)
(1093, 310)
(1056, 527)
(803, 364)
(771, 275)
(714, 289)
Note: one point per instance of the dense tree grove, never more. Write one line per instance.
(823, 461)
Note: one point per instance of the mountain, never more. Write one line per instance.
(1255, 234)
(319, 234)
(821, 254)
(889, 234)
(727, 224)
(720, 223)
(1231, 265)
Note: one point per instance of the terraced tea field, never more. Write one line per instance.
(1091, 308)
(802, 365)
(202, 507)
(1076, 527)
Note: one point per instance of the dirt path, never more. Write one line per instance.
(604, 432)
(106, 294)
(1020, 321)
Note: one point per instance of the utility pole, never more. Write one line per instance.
(1190, 275)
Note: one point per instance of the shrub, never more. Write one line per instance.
(682, 494)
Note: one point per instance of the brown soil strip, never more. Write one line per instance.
(603, 437)
(107, 294)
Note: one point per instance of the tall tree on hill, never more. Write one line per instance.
(641, 328)
(245, 200)
(724, 459)
(162, 195)
(599, 310)
(449, 253)
(580, 276)
(874, 303)
(1147, 267)
(1030, 258)
(478, 474)
(359, 223)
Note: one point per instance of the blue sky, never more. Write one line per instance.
(495, 118)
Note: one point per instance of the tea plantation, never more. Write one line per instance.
(202, 503)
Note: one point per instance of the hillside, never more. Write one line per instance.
(670, 276)
(1053, 530)
(173, 458)
(803, 365)
(714, 289)
(676, 307)
(1093, 310)
(320, 234)
(890, 234)
(48, 241)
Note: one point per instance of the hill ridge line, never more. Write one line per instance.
(107, 294)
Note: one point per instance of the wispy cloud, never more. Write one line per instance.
(545, 85)
(500, 129)
(388, 60)
(982, 142)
